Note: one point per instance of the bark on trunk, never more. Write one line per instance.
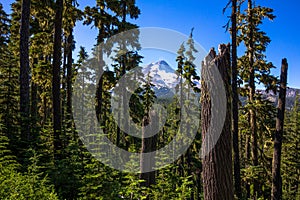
(69, 75)
(276, 176)
(64, 81)
(24, 71)
(148, 145)
(34, 106)
(248, 158)
(99, 93)
(56, 78)
(217, 164)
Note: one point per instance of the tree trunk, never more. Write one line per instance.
(24, 72)
(276, 176)
(34, 106)
(148, 145)
(56, 78)
(217, 164)
(99, 93)
(235, 108)
(64, 82)
(69, 76)
(252, 112)
(248, 158)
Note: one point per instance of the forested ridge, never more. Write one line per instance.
(42, 155)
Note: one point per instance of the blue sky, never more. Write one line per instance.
(207, 19)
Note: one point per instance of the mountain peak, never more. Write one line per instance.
(162, 74)
(164, 66)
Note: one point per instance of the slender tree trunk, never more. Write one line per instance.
(34, 105)
(145, 163)
(253, 127)
(69, 92)
(24, 71)
(148, 145)
(152, 174)
(56, 78)
(181, 165)
(248, 157)
(217, 165)
(124, 70)
(276, 176)
(235, 108)
(64, 82)
(99, 94)
(69, 75)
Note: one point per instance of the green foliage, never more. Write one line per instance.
(30, 185)
(6, 156)
(77, 174)
(256, 42)
(254, 69)
(131, 188)
(99, 181)
(186, 67)
(9, 86)
(4, 24)
(171, 186)
(148, 95)
(290, 154)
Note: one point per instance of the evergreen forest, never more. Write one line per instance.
(44, 83)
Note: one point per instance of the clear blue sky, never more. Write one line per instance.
(207, 19)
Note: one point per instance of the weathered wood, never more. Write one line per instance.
(276, 176)
(217, 164)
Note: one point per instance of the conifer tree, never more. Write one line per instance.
(148, 144)
(253, 68)
(9, 83)
(187, 88)
(235, 100)
(290, 155)
(102, 20)
(5, 24)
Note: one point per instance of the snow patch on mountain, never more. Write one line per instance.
(162, 74)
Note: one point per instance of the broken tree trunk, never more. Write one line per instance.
(216, 144)
(276, 177)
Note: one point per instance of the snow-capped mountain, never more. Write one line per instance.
(163, 76)
(165, 79)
